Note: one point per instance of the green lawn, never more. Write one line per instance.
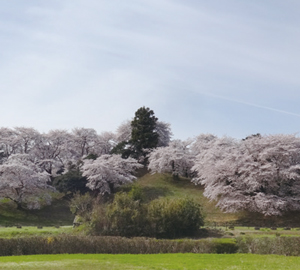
(158, 261)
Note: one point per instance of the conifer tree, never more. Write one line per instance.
(143, 134)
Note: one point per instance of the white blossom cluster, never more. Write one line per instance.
(259, 173)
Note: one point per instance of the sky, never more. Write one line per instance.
(230, 68)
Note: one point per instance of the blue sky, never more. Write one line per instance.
(222, 67)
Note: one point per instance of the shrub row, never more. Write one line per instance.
(289, 246)
(109, 245)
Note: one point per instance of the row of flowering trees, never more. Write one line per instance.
(33, 163)
(258, 173)
(30, 161)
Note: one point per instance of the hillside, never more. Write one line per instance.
(156, 185)
(153, 186)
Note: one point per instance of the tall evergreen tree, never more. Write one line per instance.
(143, 134)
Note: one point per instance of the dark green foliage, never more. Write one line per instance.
(2, 157)
(143, 135)
(91, 156)
(171, 218)
(123, 148)
(71, 182)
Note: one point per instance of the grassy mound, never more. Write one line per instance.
(163, 185)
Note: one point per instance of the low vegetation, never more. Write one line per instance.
(67, 243)
(129, 215)
(71, 244)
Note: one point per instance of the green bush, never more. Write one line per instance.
(82, 205)
(172, 218)
(98, 223)
(127, 217)
(222, 247)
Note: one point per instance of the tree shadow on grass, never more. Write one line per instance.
(289, 219)
(152, 193)
(58, 213)
(208, 233)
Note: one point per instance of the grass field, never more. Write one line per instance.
(144, 262)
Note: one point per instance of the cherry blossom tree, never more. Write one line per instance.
(108, 172)
(26, 138)
(259, 174)
(123, 133)
(20, 140)
(8, 141)
(202, 143)
(164, 133)
(175, 158)
(23, 182)
(104, 143)
(53, 151)
(84, 141)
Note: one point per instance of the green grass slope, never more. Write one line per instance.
(163, 185)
